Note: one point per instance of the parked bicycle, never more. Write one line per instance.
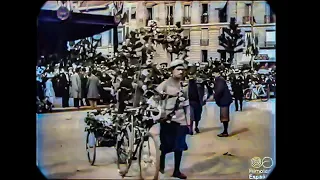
(136, 138)
(257, 91)
(102, 130)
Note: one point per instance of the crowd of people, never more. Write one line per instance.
(99, 83)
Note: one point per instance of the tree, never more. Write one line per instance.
(230, 39)
(175, 43)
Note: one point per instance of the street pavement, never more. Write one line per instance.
(61, 150)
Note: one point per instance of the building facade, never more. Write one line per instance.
(202, 22)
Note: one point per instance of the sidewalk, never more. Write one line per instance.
(61, 109)
(57, 102)
(58, 105)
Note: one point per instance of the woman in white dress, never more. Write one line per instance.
(49, 92)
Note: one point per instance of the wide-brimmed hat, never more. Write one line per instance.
(176, 63)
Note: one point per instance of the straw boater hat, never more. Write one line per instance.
(163, 64)
(236, 71)
(246, 70)
(50, 75)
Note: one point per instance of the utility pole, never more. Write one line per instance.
(169, 21)
(236, 58)
(252, 33)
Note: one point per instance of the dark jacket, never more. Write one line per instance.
(222, 94)
(197, 90)
(237, 87)
(84, 88)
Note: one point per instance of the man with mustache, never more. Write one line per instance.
(223, 99)
(174, 130)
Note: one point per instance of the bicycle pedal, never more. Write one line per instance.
(134, 158)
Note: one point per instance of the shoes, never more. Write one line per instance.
(162, 175)
(179, 175)
(223, 135)
(197, 130)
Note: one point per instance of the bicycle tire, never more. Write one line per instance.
(267, 91)
(247, 95)
(128, 159)
(155, 175)
(93, 159)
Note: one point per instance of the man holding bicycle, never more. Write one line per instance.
(173, 129)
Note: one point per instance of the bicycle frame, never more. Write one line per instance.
(135, 129)
(255, 91)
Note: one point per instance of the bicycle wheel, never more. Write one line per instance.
(247, 94)
(149, 158)
(264, 94)
(124, 151)
(91, 142)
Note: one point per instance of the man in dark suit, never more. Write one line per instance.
(237, 88)
(196, 91)
(125, 92)
(64, 84)
(223, 99)
(84, 90)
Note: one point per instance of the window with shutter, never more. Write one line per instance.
(133, 12)
(120, 35)
(205, 33)
(270, 38)
(127, 20)
(204, 41)
(204, 55)
(169, 15)
(186, 17)
(186, 32)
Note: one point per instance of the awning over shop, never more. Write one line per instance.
(54, 33)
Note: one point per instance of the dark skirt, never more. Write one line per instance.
(173, 137)
(224, 114)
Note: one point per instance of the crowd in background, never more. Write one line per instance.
(98, 83)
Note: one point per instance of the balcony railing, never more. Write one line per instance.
(169, 21)
(204, 42)
(247, 19)
(186, 20)
(270, 44)
(269, 19)
(204, 19)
